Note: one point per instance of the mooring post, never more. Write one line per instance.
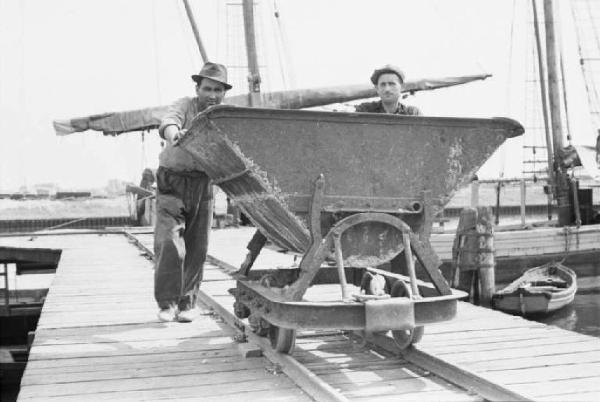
(462, 257)
(486, 262)
(498, 190)
(475, 193)
(473, 255)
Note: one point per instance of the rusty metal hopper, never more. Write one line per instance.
(267, 161)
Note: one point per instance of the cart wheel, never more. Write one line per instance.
(282, 339)
(259, 325)
(405, 338)
(400, 289)
(240, 310)
(365, 282)
(374, 284)
(269, 281)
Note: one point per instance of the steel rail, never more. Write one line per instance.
(308, 381)
(455, 374)
(318, 389)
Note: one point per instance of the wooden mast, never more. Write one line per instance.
(561, 177)
(253, 70)
(190, 15)
(543, 94)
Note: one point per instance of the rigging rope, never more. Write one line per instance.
(284, 55)
(508, 87)
(510, 60)
(156, 58)
(592, 92)
(562, 74)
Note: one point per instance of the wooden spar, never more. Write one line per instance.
(563, 82)
(190, 15)
(562, 186)
(253, 73)
(553, 72)
(544, 95)
(114, 123)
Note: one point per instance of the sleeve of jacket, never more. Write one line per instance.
(175, 115)
(414, 111)
(366, 107)
(359, 108)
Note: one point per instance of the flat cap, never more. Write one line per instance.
(388, 68)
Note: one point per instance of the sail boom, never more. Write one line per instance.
(115, 123)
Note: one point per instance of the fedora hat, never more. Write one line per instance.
(387, 69)
(214, 71)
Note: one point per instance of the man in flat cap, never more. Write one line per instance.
(184, 203)
(388, 82)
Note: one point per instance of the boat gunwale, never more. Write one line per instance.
(511, 127)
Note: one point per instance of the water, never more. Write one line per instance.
(583, 315)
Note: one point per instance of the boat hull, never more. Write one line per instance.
(539, 290)
(516, 251)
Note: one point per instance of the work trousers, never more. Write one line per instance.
(184, 205)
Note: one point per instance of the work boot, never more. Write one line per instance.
(168, 314)
(188, 315)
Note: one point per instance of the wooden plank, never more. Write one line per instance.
(166, 386)
(548, 360)
(558, 387)
(466, 358)
(134, 370)
(503, 334)
(83, 363)
(85, 347)
(531, 242)
(153, 330)
(438, 395)
(169, 332)
(91, 349)
(557, 372)
(219, 394)
(361, 365)
(132, 348)
(571, 397)
(500, 345)
(394, 387)
(365, 378)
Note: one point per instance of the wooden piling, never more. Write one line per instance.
(487, 277)
(498, 190)
(473, 255)
(523, 197)
(474, 193)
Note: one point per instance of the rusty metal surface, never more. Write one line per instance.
(279, 311)
(360, 155)
(267, 160)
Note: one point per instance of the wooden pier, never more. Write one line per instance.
(98, 338)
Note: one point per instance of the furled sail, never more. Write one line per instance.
(114, 123)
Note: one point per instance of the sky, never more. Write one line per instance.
(67, 58)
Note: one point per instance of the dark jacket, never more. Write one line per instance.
(377, 107)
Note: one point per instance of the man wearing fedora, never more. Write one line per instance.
(184, 203)
(388, 82)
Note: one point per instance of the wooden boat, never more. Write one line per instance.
(539, 290)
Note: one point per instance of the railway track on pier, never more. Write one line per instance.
(342, 365)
